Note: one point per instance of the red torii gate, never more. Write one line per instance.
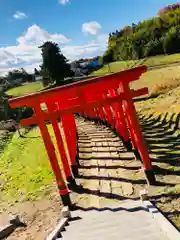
(108, 98)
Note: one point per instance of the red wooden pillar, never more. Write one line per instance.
(136, 132)
(69, 127)
(108, 112)
(61, 147)
(102, 111)
(101, 114)
(63, 190)
(74, 145)
(110, 119)
(93, 113)
(119, 118)
(130, 130)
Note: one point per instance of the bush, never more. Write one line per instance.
(154, 47)
(9, 125)
(45, 81)
(169, 8)
(171, 43)
(151, 37)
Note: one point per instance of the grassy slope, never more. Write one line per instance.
(24, 167)
(162, 135)
(25, 89)
(167, 102)
(170, 77)
(161, 118)
(158, 77)
(150, 62)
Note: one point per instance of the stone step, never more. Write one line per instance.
(119, 219)
(119, 225)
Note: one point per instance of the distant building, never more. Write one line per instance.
(38, 78)
(82, 68)
(78, 70)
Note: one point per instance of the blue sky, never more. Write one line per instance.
(80, 27)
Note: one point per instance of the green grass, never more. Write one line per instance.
(150, 62)
(164, 148)
(25, 169)
(167, 75)
(5, 138)
(25, 89)
(164, 85)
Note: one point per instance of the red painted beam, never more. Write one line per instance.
(47, 116)
(111, 80)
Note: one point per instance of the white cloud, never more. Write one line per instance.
(19, 15)
(6, 57)
(90, 49)
(91, 28)
(26, 53)
(63, 2)
(36, 36)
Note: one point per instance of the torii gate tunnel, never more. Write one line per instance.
(108, 98)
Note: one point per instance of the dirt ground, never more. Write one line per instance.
(40, 216)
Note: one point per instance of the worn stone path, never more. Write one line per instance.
(106, 198)
(107, 168)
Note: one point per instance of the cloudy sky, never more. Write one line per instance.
(80, 27)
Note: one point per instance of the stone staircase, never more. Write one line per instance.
(131, 221)
(109, 184)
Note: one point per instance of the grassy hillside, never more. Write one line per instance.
(150, 62)
(24, 167)
(25, 89)
(158, 79)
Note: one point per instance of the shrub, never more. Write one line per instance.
(9, 125)
(171, 43)
(151, 37)
(169, 8)
(154, 47)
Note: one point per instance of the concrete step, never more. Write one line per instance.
(119, 220)
(135, 225)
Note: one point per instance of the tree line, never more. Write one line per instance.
(16, 77)
(158, 35)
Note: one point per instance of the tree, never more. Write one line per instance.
(18, 74)
(36, 72)
(55, 65)
(171, 42)
(168, 8)
(151, 37)
(108, 57)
